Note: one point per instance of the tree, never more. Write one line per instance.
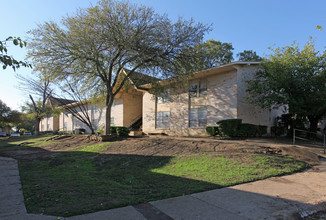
(249, 55)
(25, 123)
(6, 60)
(94, 45)
(293, 78)
(41, 88)
(213, 53)
(79, 106)
(8, 117)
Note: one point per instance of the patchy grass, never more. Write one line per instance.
(10, 143)
(84, 179)
(96, 148)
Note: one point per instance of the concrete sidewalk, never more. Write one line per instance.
(285, 197)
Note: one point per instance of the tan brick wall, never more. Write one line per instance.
(132, 107)
(55, 124)
(117, 112)
(149, 109)
(248, 112)
(51, 121)
(221, 97)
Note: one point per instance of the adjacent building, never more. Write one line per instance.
(182, 108)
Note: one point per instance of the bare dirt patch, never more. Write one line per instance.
(165, 146)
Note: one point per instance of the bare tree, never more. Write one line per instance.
(41, 89)
(78, 105)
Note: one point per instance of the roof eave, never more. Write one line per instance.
(205, 72)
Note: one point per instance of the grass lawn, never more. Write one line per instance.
(86, 179)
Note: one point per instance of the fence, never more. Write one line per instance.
(306, 139)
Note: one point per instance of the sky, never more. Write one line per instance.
(248, 25)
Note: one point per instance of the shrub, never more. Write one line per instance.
(261, 130)
(235, 128)
(247, 130)
(123, 131)
(212, 130)
(229, 127)
(113, 129)
(120, 131)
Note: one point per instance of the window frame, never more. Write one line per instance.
(196, 89)
(160, 120)
(163, 97)
(198, 121)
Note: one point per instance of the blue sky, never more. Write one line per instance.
(250, 24)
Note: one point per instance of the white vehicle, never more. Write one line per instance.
(15, 135)
(3, 134)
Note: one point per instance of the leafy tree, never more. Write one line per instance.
(295, 78)
(249, 55)
(5, 59)
(94, 45)
(25, 123)
(8, 117)
(213, 53)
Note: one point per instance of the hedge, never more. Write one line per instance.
(235, 128)
(229, 127)
(120, 131)
(247, 130)
(212, 130)
(261, 130)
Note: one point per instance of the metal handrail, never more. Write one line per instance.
(324, 137)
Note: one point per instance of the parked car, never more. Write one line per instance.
(15, 135)
(27, 133)
(3, 134)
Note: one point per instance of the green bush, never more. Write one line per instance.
(229, 127)
(261, 130)
(113, 129)
(120, 131)
(235, 128)
(123, 131)
(212, 130)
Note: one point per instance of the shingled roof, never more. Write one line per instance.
(60, 102)
(139, 79)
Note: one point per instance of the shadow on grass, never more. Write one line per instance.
(71, 183)
(67, 183)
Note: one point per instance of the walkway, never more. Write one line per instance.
(285, 197)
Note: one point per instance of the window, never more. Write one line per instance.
(65, 126)
(202, 88)
(164, 96)
(193, 90)
(198, 89)
(42, 127)
(112, 121)
(163, 120)
(198, 117)
(48, 127)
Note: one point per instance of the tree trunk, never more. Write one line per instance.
(92, 130)
(109, 102)
(37, 126)
(108, 120)
(313, 121)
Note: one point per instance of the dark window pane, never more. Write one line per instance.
(193, 123)
(202, 122)
(193, 90)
